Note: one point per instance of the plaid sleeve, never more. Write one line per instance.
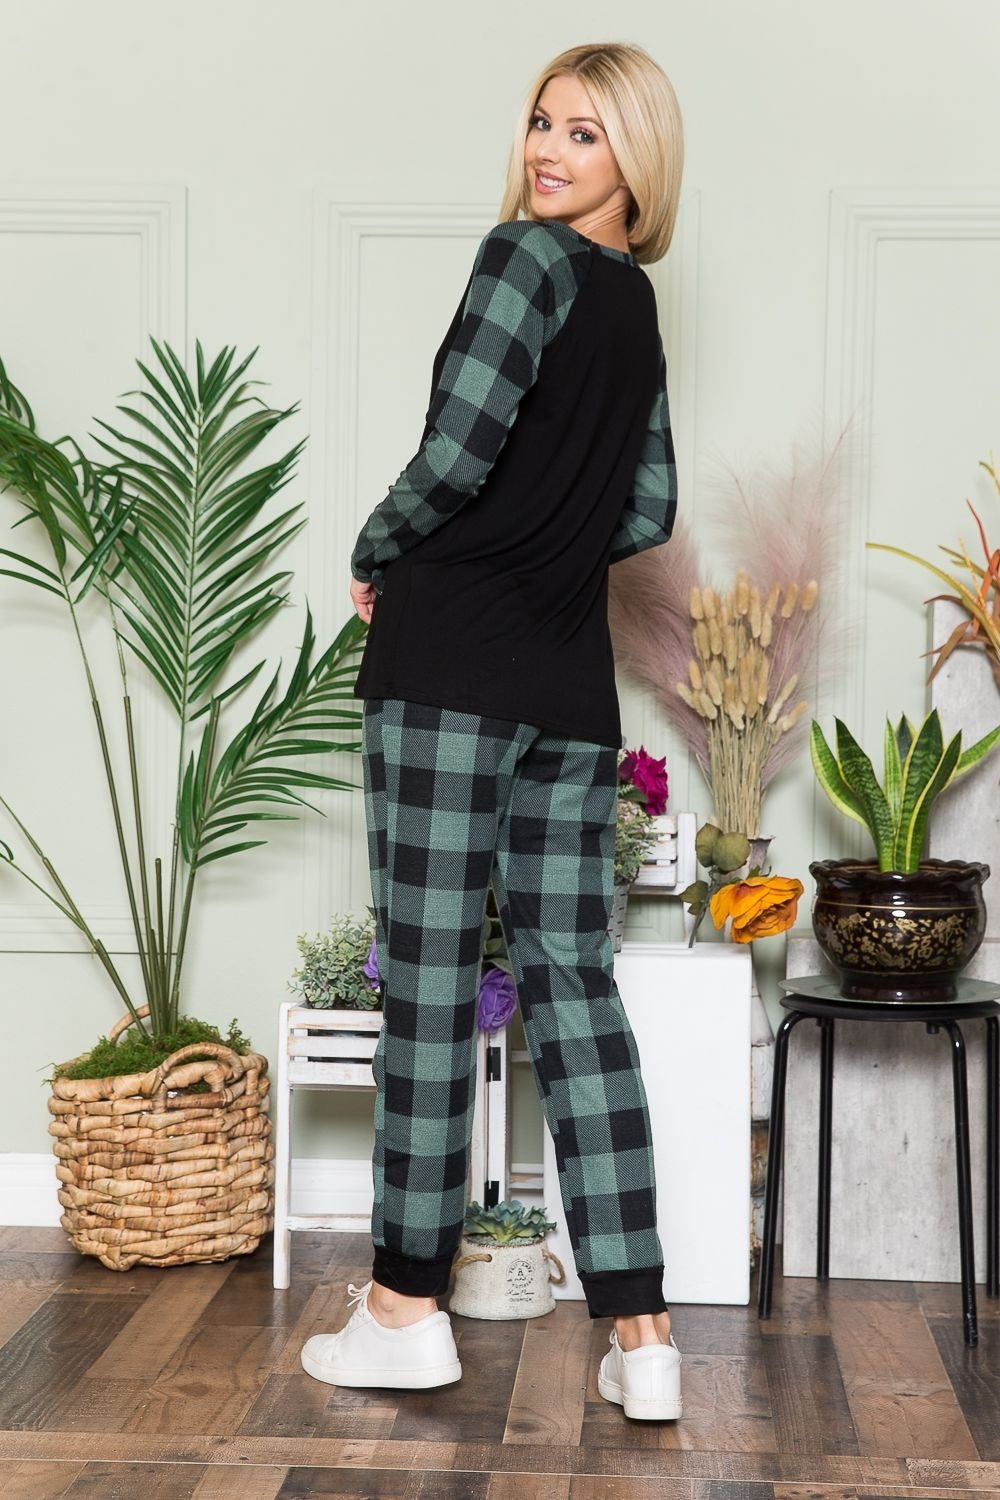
(518, 296)
(648, 517)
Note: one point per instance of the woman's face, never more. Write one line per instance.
(571, 171)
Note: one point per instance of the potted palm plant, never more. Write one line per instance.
(898, 927)
(161, 1132)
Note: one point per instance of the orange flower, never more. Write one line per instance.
(759, 906)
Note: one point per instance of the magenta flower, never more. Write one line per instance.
(497, 999)
(371, 966)
(649, 776)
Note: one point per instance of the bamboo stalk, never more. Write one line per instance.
(192, 870)
(70, 911)
(155, 991)
(113, 792)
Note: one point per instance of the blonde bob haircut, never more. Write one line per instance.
(642, 119)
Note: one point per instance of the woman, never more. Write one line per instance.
(491, 724)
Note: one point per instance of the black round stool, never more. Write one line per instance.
(818, 996)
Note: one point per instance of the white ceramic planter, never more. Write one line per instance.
(496, 1281)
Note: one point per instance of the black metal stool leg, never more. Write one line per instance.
(964, 1175)
(992, 1156)
(825, 1024)
(774, 1142)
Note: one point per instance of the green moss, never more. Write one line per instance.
(135, 1052)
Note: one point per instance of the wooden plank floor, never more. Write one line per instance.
(163, 1385)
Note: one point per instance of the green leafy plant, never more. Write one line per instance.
(495, 953)
(980, 598)
(505, 1223)
(634, 837)
(332, 971)
(916, 769)
(175, 539)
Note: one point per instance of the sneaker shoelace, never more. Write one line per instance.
(357, 1294)
(356, 1298)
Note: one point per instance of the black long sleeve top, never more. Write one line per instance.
(546, 456)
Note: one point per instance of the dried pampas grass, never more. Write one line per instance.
(730, 667)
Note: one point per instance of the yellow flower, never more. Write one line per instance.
(759, 906)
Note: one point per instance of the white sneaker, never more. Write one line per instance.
(364, 1352)
(645, 1381)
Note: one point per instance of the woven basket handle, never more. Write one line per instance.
(225, 1054)
(126, 1022)
(192, 1049)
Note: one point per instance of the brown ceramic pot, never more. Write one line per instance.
(898, 937)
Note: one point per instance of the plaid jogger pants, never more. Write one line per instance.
(453, 802)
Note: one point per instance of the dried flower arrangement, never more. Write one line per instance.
(739, 683)
(755, 904)
(642, 796)
(726, 665)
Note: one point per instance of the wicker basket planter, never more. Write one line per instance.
(156, 1173)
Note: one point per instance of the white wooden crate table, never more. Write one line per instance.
(317, 1049)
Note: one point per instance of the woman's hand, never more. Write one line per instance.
(363, 596)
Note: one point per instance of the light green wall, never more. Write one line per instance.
(781, 122)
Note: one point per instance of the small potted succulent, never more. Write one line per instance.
(500, 1271)
(898, 927)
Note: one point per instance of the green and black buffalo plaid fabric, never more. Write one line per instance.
(546, 456)
(454, 801)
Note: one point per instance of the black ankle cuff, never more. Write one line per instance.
(412, 1277)
(623, 1294)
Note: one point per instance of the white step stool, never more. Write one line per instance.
(317, 1049)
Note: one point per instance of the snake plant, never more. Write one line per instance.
(505, 1222)
(175, 538)
(916, 769)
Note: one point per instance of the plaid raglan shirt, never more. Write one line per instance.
(648, 517)
(520, 292)
(547, 450)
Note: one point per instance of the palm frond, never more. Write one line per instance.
(193, 544)
(259, 766)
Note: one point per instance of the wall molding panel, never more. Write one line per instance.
(152, 217)
(860, 220)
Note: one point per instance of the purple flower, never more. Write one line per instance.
(497, 999)
(649, 776)
(371, 966)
